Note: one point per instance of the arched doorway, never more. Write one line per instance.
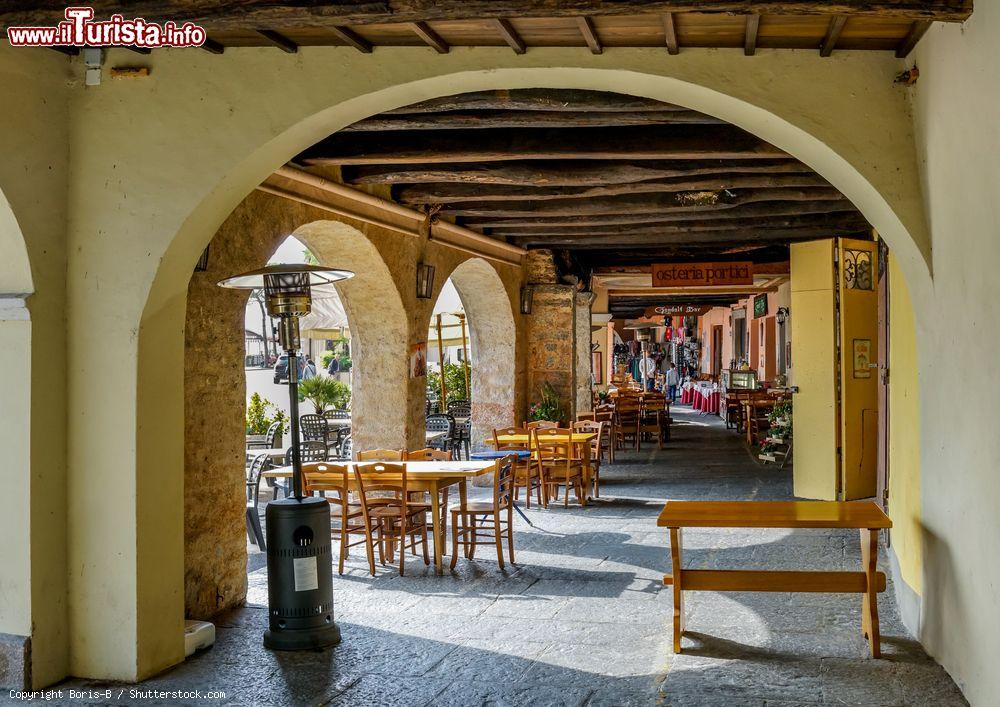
(843, 161)
(493, 337)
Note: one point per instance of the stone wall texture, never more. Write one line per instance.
(386, 319)
(584, 360)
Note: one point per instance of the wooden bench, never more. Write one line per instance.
(863, 515)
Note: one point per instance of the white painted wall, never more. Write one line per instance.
(956, 106)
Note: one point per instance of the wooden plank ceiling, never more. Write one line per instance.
(601, 178)
(823, 25)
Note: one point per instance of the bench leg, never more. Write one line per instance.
(869, 600)
(675, 556)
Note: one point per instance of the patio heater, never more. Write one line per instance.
(299, 569)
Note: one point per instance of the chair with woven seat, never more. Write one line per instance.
(260, 464)
(394, 518)
(309, 451)
(541, 425)
(596, 449)
(325, 478)
(559, 463)
(526, 474)
(487, 520)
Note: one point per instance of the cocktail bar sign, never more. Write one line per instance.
(702, 274)
(79, 29)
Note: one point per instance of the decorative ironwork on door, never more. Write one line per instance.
(858, 273)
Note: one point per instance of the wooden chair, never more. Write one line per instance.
(260, 464)
(381, 455)
(489, 520)
(626, 422)
(394, 518)
(335, 478)
(541, 425)
(559, 464)
(429, 454)
(651, 417)
(525, 472)
(596, 449)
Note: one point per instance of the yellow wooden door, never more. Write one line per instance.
(858, 273)
(812, 318)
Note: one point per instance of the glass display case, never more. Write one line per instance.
(739, 380)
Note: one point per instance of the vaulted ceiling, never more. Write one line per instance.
(602, 178)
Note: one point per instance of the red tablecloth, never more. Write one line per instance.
(708, 404)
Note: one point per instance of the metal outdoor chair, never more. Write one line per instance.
(269, 439)
(260, 464)
(446, 424)
(340, 432)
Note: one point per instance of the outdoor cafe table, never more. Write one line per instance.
(866, 516)
(579, 438)
(430, 476)
(277, 454)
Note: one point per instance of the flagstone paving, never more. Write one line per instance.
(583, 618)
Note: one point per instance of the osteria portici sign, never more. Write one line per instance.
(702, 274)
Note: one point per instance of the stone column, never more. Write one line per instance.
(551, 334)
(584, 361)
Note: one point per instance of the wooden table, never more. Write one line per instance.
(431, 476)
(523, 440)
(863, 515)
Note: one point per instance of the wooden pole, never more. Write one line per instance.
(465, 354)
(444, 389)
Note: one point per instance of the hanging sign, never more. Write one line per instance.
(759, 306)
(702, 274)
(676, 310)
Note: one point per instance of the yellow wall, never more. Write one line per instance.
(904, 431)
(814, 471)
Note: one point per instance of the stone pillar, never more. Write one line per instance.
(551, 334)
(584, 361)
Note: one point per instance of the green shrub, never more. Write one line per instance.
(454, 380)
(549, 407)
(258, 419)
(325, 392)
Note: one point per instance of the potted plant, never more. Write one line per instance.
(548, 407)
(325, 393)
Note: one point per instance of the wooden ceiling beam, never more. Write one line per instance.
(510, 35)
(714, 238)
(542, 99)
(641, 142)
(213, 47)
(851, 221)
(670, 33)
(833, 33)
(632, 204)
(564, 173)
(279, 40)
(498, 119)
(450, 192)
(916, 33)
(586, 26)
(764, 210)
(430, 37)
(323, 13)
(750, 34)
(782, 267)
(351, 38)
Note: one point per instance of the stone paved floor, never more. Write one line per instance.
(583, 619)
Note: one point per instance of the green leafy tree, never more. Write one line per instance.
(261, 413)
(454, 381)
(325, 392)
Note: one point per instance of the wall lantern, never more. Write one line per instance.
(527, 299)
(781, 316)
(299, 569)
(425, 281)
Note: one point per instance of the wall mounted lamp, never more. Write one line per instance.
(425, 281)
(527, 299)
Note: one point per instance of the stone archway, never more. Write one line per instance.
(792, 115)
(215, 557)
(494, 338)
